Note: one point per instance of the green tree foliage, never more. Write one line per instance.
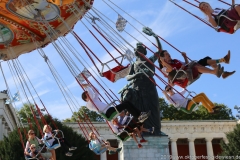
(169, 112)
(11, 148)
(25, 111)
(232, 148)
(94, 116)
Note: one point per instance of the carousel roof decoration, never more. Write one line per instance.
(23, 21)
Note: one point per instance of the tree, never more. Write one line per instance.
(169, 112)
(93, 116)
(232, 148)
(11, 148)
(26, 111)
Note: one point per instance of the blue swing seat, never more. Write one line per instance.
(96, 150)
(55, 146)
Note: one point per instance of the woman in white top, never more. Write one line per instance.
(179, 101)
(223, 20)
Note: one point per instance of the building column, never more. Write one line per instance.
(225, 140)
(103, 156)
(191, 146)
(209, 148)
(6, 131)
(174, 148)
(1, 128)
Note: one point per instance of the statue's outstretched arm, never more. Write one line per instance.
(159, 45)
(149, 32)
(156, 54)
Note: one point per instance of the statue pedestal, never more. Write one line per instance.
(155, 149)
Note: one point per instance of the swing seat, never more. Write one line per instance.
(113, 115)
(185, 77)
(192, 109)
(96, 151)
(116, 73)
(195, 74)
(123, 136)
(55, 146)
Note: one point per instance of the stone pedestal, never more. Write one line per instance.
(155, 149)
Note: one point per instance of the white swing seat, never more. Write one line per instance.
(193, 108)
(124, 135)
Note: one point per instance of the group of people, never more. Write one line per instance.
(37, 148)
(184, 73)
(125, 124)
(132, 125)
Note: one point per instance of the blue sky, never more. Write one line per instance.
(182, 30)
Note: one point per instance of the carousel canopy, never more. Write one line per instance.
(25, 23)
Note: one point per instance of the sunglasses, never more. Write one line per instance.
(32, 133)
(168, 89)
(33, 147)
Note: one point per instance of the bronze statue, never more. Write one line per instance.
(142, 91)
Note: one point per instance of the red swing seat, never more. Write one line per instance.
(184, 83)
(116, 73)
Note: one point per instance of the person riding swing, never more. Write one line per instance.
(188, 105)
(185, 73)
(222, 20)
(98, 146)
